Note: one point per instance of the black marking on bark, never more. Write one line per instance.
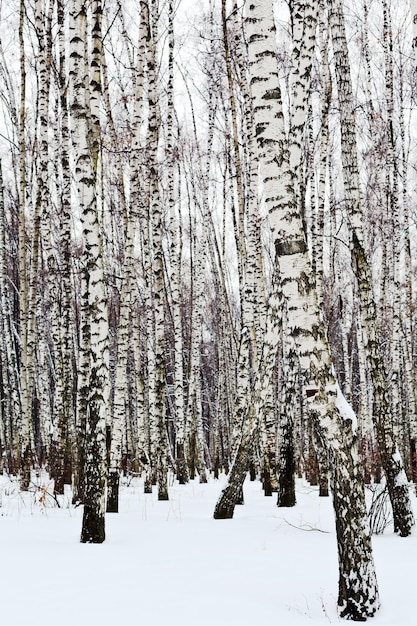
(287, 248)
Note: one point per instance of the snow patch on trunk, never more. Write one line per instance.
(344, 408)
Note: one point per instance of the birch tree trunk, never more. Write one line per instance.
(175, 256)
(287, 420)
(194, 417)
(64, 438)
(397, 241)
(250, 265)
(128, 293)
(155, 207)
(10, 395)
(317, 229)
(304, 14)
(408, 321)
(85, 86)
(26, 374)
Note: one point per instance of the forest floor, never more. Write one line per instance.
(170, 563)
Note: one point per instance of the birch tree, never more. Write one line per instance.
(63, 451)
(128, 294)
(26, 366)
(11, 399)
(175, 258)
(358, 593)
(85, 88)
(304, 24)
(247, 220)
(157, 389)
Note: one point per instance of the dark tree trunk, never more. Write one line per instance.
(357, 598)
(232, 493)
(266, 477)
(113, 481)
(93, 529)
(286, 476)
(182, 470)
(323, 464)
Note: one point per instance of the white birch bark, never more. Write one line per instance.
(407, 292)
(304, 15)
(394, 242)
(156, 224)
(237, 194)
(26, 377)
(149, 380)
(128, 291)
(94, 388)
(11, 401)
(358, 594)
(175, 256)
(139, 202)
(42, 240)
(239, 215)
(64, 452)
(32, 360)
(318, 207)
(287, 418)
(252, 284)
(255, 305)
(194, 416)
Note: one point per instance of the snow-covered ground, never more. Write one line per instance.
(170, 563)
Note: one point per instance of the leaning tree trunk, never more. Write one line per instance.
(252, 295)
(246, 349)
(358, 593)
